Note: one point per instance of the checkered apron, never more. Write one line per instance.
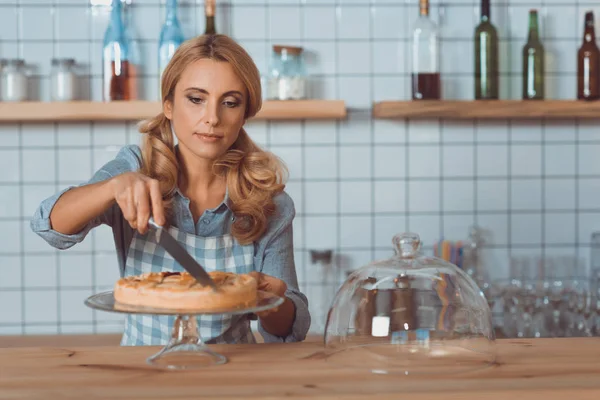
(220, 253)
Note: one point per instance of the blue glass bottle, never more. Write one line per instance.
(171, 37)
(115, 64)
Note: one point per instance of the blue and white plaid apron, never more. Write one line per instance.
(222, 253)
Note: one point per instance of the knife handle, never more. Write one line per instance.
(153, 223)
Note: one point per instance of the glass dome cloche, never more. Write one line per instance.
(410, 314)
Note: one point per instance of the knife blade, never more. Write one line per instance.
(180, 254)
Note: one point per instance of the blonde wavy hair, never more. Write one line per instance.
(253, 175)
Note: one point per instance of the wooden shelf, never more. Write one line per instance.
(138, 110)
(487, 109)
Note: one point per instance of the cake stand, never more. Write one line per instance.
(185, 349)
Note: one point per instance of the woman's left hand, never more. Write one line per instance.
(270, 284)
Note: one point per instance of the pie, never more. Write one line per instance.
(180, 291)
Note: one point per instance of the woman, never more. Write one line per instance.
(214, 186)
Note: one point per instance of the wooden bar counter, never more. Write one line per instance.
(526, 369)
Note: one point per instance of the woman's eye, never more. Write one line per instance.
(195, 100)
(231, 104)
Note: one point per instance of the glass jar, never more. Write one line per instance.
(287, 77)
(13, 80)
(63, 80)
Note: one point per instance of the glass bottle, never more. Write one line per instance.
(486, 56)
(209, 11)
(588, 61)
(533, 62)
(63, 80)
(171, 37)
(115, 61)
(425, 53)
(134, 52)
(13, 80)
(287, 80)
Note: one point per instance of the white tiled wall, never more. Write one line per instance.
(534, 185)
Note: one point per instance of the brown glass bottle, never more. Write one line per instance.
(426, 83)
(120, 85)
(209, 12)
(588, 63)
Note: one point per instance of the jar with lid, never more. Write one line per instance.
(287, 77)
(63, 80)
(13, 80)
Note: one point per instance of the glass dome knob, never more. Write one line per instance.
(407, 245)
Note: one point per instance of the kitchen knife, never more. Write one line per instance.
(179, 253)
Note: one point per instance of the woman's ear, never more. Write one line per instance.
(168, 109)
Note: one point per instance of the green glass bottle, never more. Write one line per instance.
(486, 56)
(533, 62)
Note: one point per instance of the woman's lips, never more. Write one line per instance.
(208, 137)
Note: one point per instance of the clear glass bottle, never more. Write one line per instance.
(115, 58)
(171, 37)
(13, 82)
(63, 80)
(426, 83)
(287, 79)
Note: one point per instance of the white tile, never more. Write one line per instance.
(458, 195)
(559, 56)
(356, 128)
(353, 22)
(354, 57)
(499, 16)
(559, 22)
(325, 88)
(589, 163)
(41, 306)
(72, 23)
(320, 58)
(559, 194)
(526, 194)
(12, 314)
(492, 160)
(560, 228)
(580, 20)
(492, 195)
(355, 162)
(457, 227)
(518, 23)
(320, 132)
(458, 161)
(355, 197)
(100, 16)
(390, 88)
(424, 161)
(109, 134)
(321, 233)
(10, 201)
(8, 23)
(74, 165)
(563, 87)
(355, 232)
(321, 197)
(72, 307)
(390, 161)
(9, 162)
(457, 131)
(111, 326)
(525, 131)
(12, 330)
(526, 160)
(142, 16)
(40, 271)
(319, 22)
(491, 131)
(424, 196)
(33, 195)
(458, 88)
(149, 60)
(38, 135)
(51, 329)
(283, 132)
(354, 259)
(74, 134)
(388, 22)
(388, 57)
(102, 238)
(296, 192)
(80, 53)
(427, 227)
(423, 131)
(320, 162)
(10, 134)
(257, 131)
(559, 159)
(75, 269)
(588, 224)
(526, 229)
(79, 329)
(284, 23)
(559, 131)
(96, 61)
(241, 29)
(106, 270)
(497, 225)
(589, 193)
(260, 54)
(386, 227)
(10, 268)
(588, 129)
(451, 28)
(509, 56)
(355, 91)
(38, 88)
(389, 131)
(41, 18)
(39, 165)
(390, 196)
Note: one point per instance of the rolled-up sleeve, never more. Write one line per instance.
(128, 159)
(278, 261)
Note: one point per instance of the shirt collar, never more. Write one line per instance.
(225, 203)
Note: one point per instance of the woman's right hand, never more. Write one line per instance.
(139, 198)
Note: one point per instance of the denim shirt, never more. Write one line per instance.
(273, 252)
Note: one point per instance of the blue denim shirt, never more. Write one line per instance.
(273, 252)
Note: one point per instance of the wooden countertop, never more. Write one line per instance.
(526, 369)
